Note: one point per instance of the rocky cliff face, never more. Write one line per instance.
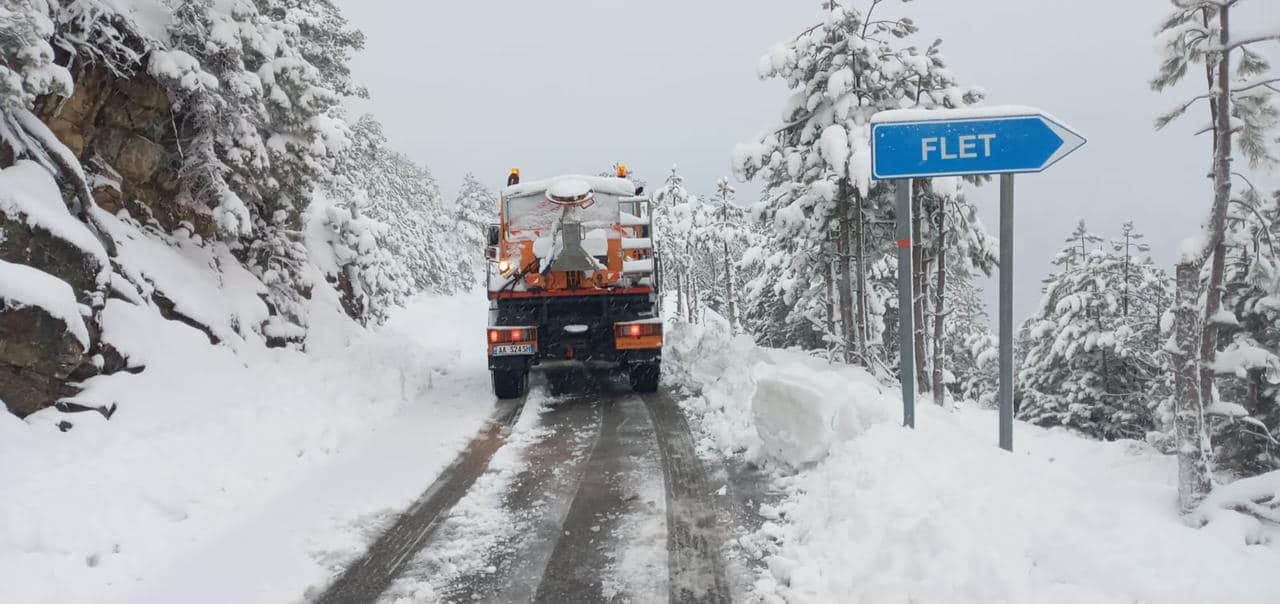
(122, 130)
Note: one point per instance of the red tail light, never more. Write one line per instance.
(512, 335)
(637, 330)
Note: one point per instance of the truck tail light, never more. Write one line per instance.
(637, 330)
(512, 335)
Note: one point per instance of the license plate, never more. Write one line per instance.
(512, 349)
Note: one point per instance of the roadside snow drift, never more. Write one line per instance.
(874, 512)
(242, 475)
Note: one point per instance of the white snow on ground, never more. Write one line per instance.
(880, 513)
(236, 476)
(202, 279)
(479, 522)
(638, 567)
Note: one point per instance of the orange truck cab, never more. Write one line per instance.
(572, 283)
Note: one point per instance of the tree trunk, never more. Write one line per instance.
(918, 278)
(830, 305)
(940, 306)
(1193, 446)
(1194, 378)
(695, 306)
(679, 295)
(845, 282)
(728, 290)
(1126, 274)
(862, 322)
(1217, 221)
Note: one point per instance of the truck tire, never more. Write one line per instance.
(509, 384)
(644, 378)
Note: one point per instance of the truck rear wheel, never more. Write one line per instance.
(644, 378)
(509, 384)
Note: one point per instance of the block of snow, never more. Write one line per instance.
(795, 420)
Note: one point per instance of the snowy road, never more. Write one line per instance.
(594, 497)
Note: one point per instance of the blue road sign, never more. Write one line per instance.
(945, 146)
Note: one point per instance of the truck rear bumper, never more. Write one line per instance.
(576, 332)
(622, 359)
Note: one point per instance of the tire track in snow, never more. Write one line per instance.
(612, 547)
(495, 545)
(695, 535)
(373, 572)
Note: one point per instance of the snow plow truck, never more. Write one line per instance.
(572, 283)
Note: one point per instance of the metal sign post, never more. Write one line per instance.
(959, 142)
(1006, 312)
(906, 322)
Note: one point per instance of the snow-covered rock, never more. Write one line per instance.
(42, 337)
(51, 269)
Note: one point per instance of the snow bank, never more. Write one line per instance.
(780, 406)
(235, 475)
(800, 411)
(714, 370)
(22, 286)
(202, 279)
(880, 513)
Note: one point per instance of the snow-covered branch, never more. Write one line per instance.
(1257, 496)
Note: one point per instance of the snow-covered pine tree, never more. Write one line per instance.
(1239, 92)
(673, 220)
(816, 165)
(422, 234)
(1088, 366)
(961, 249)
(971, 363)
(474, 209)
(702, 244)
(1245, 426)
(32, 71)
(728, 229)
(261, 127)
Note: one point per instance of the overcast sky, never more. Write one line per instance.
(571, 86)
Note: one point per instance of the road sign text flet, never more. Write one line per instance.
(1004, 144)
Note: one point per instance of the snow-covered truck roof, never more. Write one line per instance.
(530, 214)
(606, 185)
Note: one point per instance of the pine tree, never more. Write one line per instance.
(673, 221)
(1239, 89)
(474, 209)
(971, 348)
(421, 233)
(1248, 365)
(816, 165)
(260, 126)
(1088, 366)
